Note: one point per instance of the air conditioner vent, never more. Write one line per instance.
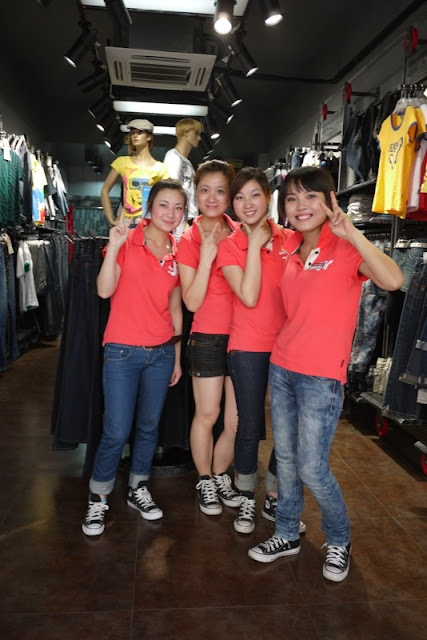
(159, 69)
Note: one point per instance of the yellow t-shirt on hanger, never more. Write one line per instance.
(398, 140)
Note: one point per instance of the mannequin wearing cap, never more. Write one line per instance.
(188, 133)
(138, 171)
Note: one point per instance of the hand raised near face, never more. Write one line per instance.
(259, 234)
(340, 223)
(119, 232)
(209, 247)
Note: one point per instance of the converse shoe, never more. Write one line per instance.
(141, 500)
(273, 548)
(337, 562)
(93, 524)
(269, 512)
(208, 498)
(225, 491)
(245, 521)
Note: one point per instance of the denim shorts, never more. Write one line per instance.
(207, 355)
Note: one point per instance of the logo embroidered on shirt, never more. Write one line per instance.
(173, 269)
(319, 266)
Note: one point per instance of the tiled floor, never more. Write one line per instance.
(188, 576)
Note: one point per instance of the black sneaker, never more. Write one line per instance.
(274, 548)
(269, 512)
(93, 524)
(141, 500)
(245, 521)
(225, 491)
(337, 562)
(208, 499)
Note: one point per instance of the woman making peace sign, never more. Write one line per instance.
(326, 261)
(207, 294)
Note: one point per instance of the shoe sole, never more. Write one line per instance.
(267, 516)
(146, 516)
(93, 532)
(259, 557)
(242, 529)
(230, 503)
(216, 511)
(336, 577)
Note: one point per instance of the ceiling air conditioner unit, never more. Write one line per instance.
(159, 69)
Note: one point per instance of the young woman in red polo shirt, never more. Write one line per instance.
(327, 260)
(207, 294)
(252, 263)
(141, 348)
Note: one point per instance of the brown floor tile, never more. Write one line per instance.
(416, 528)
(207, 566)
(246, 623)
(370, 621)
(105, 625)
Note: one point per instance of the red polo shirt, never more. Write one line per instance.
(139, 314)
(214, 315)
(321, 302)
(256, 328)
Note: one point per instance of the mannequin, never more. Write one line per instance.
(139, 171)
(188, 133)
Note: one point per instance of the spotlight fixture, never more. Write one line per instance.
(96, 79)
(82, 45)
(224, 113)
(228, 91)
(98, 107)
(242, 55)
(107, 122)
(271, 12)
(223, 16)
(211, 127)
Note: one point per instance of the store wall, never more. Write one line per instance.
(382, 70)
(16, 113)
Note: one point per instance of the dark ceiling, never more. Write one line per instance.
(315, 46)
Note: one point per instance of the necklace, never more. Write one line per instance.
(159, 246)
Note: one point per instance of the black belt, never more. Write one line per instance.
(172, 340)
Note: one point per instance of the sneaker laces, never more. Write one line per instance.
(335, 556)
(273, 543)
(247, 509)
(143, 497)
(95, 510)
(208, 489)
(225, 487)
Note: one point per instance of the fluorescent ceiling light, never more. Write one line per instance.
(160, 131)
(159, 108)
(197, 7)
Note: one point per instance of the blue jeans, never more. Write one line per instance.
(305, 412)
(134, 378)
(249, 374)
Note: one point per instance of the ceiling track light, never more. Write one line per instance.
(228, 91)
(271, 12)
(98, 78)
(211, 127)
(82, 45)
(243, 57)
(223, 19)
(225, 114)
(97, 108)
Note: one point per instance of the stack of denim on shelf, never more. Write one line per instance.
(409, 367)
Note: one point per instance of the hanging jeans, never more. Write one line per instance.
(369, 322)
(78, 404)
(416, 369)
(249, 374)
(8, 341)
(400, 398)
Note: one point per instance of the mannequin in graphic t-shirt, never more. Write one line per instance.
(139, 171)
(188, 133)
